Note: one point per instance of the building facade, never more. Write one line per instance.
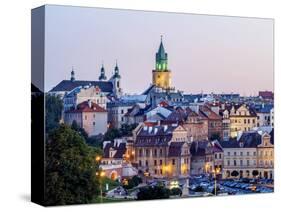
(89, 116)
(242, 119)
(163, 151)
(249, 157)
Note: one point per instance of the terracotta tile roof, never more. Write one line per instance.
(84, 107)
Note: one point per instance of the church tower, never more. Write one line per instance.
(116, 82)
(72, 77)
(102, 76)
(161, 76)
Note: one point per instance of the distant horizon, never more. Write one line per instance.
(213, 54)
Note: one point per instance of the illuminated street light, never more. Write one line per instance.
(100, 174)
(98, 158)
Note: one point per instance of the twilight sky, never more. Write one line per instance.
(205, 53)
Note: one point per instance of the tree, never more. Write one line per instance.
(255, 173)
(126, 129)
(95, 141)
(234, 173)
(133, 182)
(54, 106)
(70, 169)
(79, 129)
(111, 134)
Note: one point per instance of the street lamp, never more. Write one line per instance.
(215, 172)
(100, 175)
(98, 158)
(146, 174)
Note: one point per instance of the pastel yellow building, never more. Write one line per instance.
(161, 76)
(242, 119)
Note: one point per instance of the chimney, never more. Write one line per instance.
(89, 103)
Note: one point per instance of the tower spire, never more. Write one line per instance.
(102, 73)
(116, 70)
(72, 78)
(161, 57)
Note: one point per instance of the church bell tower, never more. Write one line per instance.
(161, 76)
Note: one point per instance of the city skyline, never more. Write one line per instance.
(93, 37)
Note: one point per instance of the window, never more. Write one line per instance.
(215, 156)
(155, 162)
(155, 171)
(248, 163)
(155, 152)
(228, 153)
(241, 153)
(228, 162)
(241, 162)
(234, 162)
(147, 152)
(122, 111)
(234, 153)
(140, 153)
(161, 171)
(85, 117)
(248, 153)
(94, 123)
(254, 153)
(160, 162)
(173, 161)
(146, 163)
(139, 162)
(161, 152)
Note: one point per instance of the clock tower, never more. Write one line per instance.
(161, 76)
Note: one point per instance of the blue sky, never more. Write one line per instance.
(205, 53)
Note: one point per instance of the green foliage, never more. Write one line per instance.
(175, 191)
(79, 129)
(95, 141)
(126, 130)
(54, 106)
(156, 192)
(111, 183)
(133, 182)
(111, 134)
(70, 169)
(234, 173)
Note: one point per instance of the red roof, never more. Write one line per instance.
(85, 107)
(164, 104)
